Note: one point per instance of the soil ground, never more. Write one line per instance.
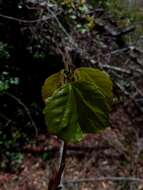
(116, 152)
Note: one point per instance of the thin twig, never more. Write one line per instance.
(23, 20)
(119, 51)
(25, 108)
(110, 178)
(6, 118)
(62, 27)
(116, 69)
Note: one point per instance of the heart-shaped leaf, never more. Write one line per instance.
(75, 109)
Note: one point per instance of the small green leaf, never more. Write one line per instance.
(52, 83)
(97, 77)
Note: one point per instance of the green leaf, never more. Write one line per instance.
(61, 114)
(52, 83)
(91, 106)
(97, 77)
(75, 109)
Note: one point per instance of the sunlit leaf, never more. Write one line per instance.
(52, 83)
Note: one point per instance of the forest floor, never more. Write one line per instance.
(116, 152)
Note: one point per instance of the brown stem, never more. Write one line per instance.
(55, 182)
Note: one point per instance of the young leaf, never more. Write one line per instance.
(52, 83)
(61, 115)
(97, 77)
(75, 109)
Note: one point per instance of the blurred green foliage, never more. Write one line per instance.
(4, 54)
(123, 12)
(77, 13)
(126, 15)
